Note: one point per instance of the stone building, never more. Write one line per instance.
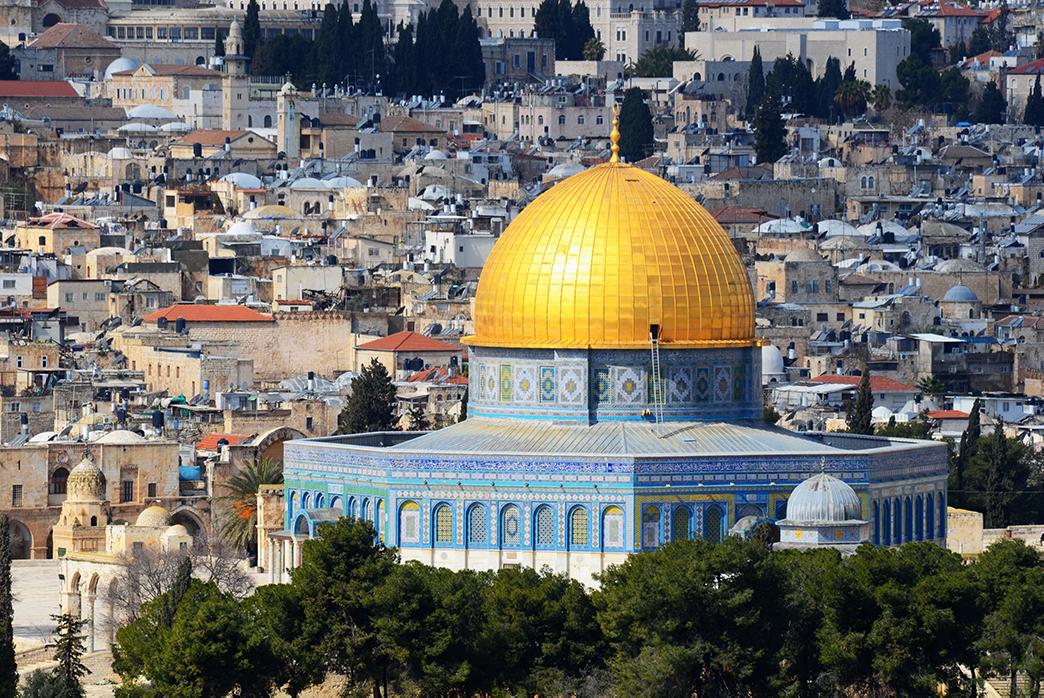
(136, 472)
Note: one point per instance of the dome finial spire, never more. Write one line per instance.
(614, 135)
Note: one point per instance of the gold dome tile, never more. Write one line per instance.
(595, 260)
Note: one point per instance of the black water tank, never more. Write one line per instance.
(179, 325)
(331, 260)
(157, 419)
(162, 323)
(197, 150)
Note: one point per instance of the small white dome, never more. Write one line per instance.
(803, 254)
(175, 530)
(176, 127)
(566, 169)
(150, 111)
(136, 128)
(823, 499)
(121, 64)
(242, 180)
(772, 361)
(241, 228)
(307, 183)
(436, 154)
(342, 182)
(122, 437)
(120, 153)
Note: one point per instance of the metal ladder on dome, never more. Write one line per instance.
(657, 380)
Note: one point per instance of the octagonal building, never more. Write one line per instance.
(614, 405)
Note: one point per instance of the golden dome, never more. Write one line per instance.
(601, 256)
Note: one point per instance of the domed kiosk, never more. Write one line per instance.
(614, 406)
(823, 512)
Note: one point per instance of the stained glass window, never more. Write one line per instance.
(409, 523)
(478, 524)
(443, 524)
(512, 526)
(578, 533)
(545, 526)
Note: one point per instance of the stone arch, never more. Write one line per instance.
(351, 510)
(71, 599)
(269, 444)
(301, 526)
(58, 481)
(190, 519)
(50, 19)
(320, 500)
(337, 504)
(21, 540)
(306, 501)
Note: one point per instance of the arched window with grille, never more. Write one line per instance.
(59, 481)
(478, 525)
(681, 523)
(510, 527)
(545, 533)
(443, 525)
(579, 528)
(712, 523)
(651, 526)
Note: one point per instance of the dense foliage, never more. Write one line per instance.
(569, 25)
(693, 618)
(440, 55)
(8, 668)
(659, 62)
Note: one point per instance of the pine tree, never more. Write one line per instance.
(68, 652)
(418, 418)
(463, 407)
(8, 668)
(991, 107)
(1034, 114)
(860, 417)
(636, 129)
(371, 406)
(980, 41)
(755, 85)
(219, 44)
(769, 131)
(178, 587)
(252, 28)
(833, 8)
(958, 52)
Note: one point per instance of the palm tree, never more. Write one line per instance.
(239, 519)
(851, 97)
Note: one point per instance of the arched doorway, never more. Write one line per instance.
(190, 520)
(21, 540)
(50, 19)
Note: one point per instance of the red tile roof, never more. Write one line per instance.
(440, 374)
(878, 384)
(983, 58)
(1031, 68)
(36, 88)
(61, 220)
(408, 341)
(751, 3)
(193, 312)
(947, 414)
(68, 35)
(210, 441)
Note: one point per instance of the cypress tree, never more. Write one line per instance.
(8, 63)
(833, 8)
(1034, 114)
(826, 86)
(582, 30)
(467, 53)
(965, 450)
(371, 406)
(992, 106)
(68, 652)
(404, 62)
(178, 587)
(636, 129)
(219, 44)
(345, 42)
(770, 134)
(755, 85)
(691, 18)
(8, 668)
(252, 28)
(325, 59)
(861, 415)
(370, 59)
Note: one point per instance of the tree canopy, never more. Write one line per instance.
(371, 405)
(636, 129)
(659, 62)
(569, 25)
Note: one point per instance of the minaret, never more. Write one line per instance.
(235, 88)
(288, 133)
(85, 512)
